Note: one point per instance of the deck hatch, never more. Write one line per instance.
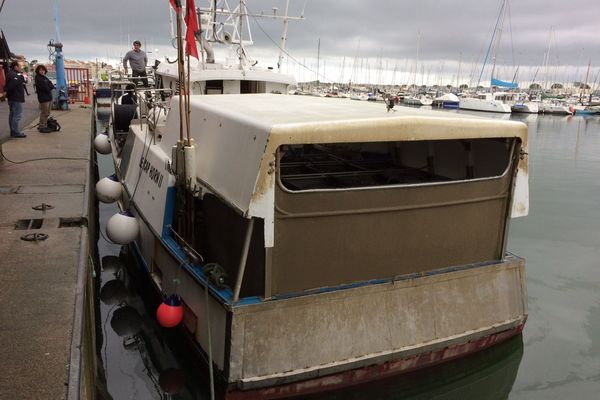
(25, 224)
(72, 222)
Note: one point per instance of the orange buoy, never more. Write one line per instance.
(170, 312)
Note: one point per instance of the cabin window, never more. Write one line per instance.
(248, 87)
(376, 164)
(214, 87)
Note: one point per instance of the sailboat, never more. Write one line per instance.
(491, 101)
(522, 104)
(311, 244)
(414, 98)
(582, 108)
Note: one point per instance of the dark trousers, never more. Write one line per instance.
(15, 109)
(136, 74)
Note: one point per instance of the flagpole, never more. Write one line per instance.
(180, 66)
(187, 99)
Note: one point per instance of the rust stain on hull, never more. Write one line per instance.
(375, 372)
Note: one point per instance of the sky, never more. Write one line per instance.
(379, 41)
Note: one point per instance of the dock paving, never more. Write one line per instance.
(42, 283)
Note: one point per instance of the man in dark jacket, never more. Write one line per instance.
(15, 94)
(43, 87)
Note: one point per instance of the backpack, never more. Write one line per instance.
(53, 124)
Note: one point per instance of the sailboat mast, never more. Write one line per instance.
(318, 58)
(587, 75)
(458, 73)
(498, 20)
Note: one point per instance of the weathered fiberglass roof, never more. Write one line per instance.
(270, 110)
(237, 136)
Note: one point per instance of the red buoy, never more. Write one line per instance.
(170, 312)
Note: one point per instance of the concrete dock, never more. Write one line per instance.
(46, 334)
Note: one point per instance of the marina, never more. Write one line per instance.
(210, 228)
(563, 157)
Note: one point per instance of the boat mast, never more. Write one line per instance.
(283, 34)
(547, 59)
(318, 59)
(491, 44)
(587, 75)
(458, 74)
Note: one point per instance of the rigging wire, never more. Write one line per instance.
(286, 52)
(491, 42)
(2, 6)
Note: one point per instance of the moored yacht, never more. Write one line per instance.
(417, 100)
(447, 100)
(522, 104)
(490, 102)
(556, 107)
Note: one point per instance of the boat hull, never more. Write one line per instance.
(376, 372)
(266, 349)
(556, 109)
(526, 108)
(484, 105)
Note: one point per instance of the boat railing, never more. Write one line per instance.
(144, 106)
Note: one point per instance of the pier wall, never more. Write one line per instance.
(47, 283)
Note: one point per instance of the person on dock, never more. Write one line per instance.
(138, 61)
(15, 94)
(43, 87)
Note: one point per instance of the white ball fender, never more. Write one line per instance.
(122, 228)
(102, 144)
(108, 189)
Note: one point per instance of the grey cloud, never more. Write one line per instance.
(384, 28)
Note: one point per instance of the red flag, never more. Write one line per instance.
(191, 21)
(174, 4)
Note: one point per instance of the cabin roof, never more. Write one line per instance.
(291, 115)
(237, 136)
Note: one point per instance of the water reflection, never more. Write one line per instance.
(126, 321)
(489, 374)
(111, 264)
(113, 292)
(560, 241)
(172, 380)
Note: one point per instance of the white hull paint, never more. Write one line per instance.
(468, 103)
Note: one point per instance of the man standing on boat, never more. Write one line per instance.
(138, 60)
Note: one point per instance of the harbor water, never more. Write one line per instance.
(557, 356)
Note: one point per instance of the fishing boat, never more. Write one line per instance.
(317, 244)
(311, 244)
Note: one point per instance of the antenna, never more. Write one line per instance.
(283, 34)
